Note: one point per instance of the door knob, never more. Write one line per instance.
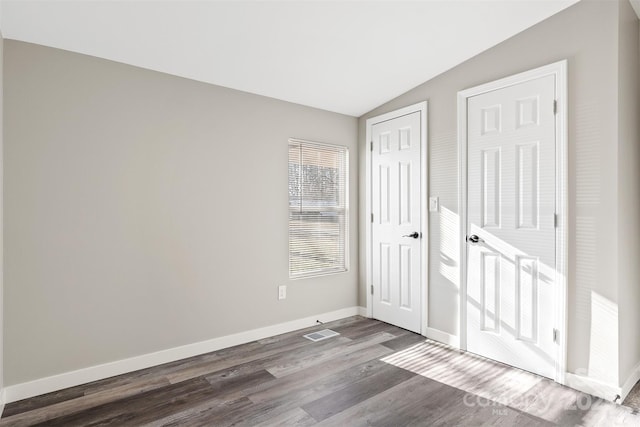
(474, 239)
(415, 235)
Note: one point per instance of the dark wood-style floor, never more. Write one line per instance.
(633, 398)
(372, 374)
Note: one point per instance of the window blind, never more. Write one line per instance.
(318, 209)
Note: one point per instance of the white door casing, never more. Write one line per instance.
(396, 260)
(514, 201)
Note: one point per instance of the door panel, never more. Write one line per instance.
(511, 208)
(395, 166)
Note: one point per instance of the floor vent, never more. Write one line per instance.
(321, 335)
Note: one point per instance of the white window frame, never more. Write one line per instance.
(319, 273)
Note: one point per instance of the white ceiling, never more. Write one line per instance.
(342, 56)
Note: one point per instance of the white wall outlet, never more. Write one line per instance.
(434, 204)
(282, 292)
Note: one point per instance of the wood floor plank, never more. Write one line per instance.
(312, 378)
(323, 347)
(299, 362)
(258, 360)
(295, 417)
(402, 342)
(48, 399)
(376, 410)
(168, 400)
(227, 388)
(283, 395)
(154, 371)
(405, 404)
(134, 410)
(82, 403)
(352, 328)
(368, 327)
(207, 413)
(356, 392)
(302, 394)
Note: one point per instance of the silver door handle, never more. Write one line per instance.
(474, 239)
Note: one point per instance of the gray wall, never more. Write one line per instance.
(629, 187)
(586, 35)
(145, 211)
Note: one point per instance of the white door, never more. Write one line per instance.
(511, 214)
(396, 228)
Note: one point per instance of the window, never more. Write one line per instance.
(318, 209)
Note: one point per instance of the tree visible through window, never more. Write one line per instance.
(318, 205)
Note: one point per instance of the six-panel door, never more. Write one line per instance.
(396, 190)
(511, 209)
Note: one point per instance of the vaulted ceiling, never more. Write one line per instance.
(342, 56)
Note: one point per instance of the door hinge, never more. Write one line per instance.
(555, 335)
(371, 146)
(371, 289)
(372, 217)
(555, 106)
(555, 220)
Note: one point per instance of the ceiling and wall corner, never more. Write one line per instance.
(306, 52)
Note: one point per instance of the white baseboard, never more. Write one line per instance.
(592, 386)
(40, 386)
(633, 378)
(362, 311)
(443, 337)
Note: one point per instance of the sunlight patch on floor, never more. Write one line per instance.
(464, 371)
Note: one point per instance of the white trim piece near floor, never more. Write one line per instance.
(82, 376)
(593, 387)
(443, 337)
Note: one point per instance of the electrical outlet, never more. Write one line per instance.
(282, 292)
